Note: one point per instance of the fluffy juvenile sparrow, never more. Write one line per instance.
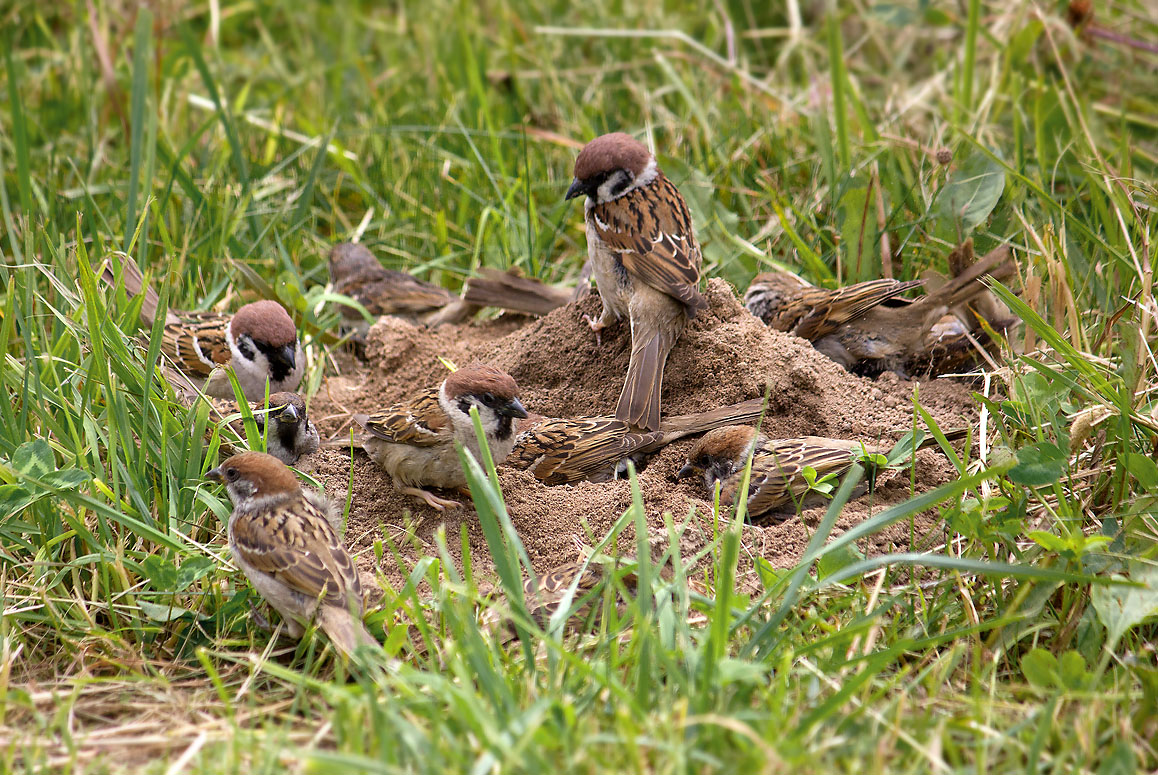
(414, 441)
(355, 272)
(563, 451)
(259, 341)
(645, 258)
(513, 292)
(777, 480)
(870, 329)
(282, 539)
(291, 435)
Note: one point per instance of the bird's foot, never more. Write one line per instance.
(431, 500)
(597, 325)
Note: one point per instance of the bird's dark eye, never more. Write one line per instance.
(702, 461)
(231, 474)
(488, 398)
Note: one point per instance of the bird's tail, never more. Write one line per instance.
(134, 283)
(997, 264)
(639, 401)
(346, 632)
(680, 425)
(515, 293)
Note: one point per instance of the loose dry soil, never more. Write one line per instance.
(724, 356)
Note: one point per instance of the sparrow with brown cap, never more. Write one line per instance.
(414, 441)
(645, 258)
(282, 537)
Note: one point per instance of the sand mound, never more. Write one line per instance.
(724, 356)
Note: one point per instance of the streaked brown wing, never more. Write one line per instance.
(296, 544)
(778, 470)
(827, 310)
(386, 292)
(651, 231)
(196, 344)
(419, 421)
(560, 451)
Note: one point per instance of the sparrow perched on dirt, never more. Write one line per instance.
(259, 341)
(414, 441)
(355, 272)
(777, 481)
(564, 451)
(645, 259)
(868, 328)
(282, 538)
(291, 435)
(512, 292)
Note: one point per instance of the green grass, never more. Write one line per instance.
(230, 152)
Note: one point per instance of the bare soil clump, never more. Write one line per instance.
(724, 356)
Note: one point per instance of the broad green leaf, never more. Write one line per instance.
(13, 498)
(1040, 668)
(163, 613)
(193, 568)
(1120, 608)
(838, 560)
(1072, 670)
(971, 194)
(1144, 470)
(1039, 464)
(161, 572)
(67, 478)
(34, 459)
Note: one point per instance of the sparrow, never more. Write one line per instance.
(282, 538)
(512, 292)
(291, 435)
(868, 328)
(787, 303)
(355, 272)
(596, 449)
(259, 341)
(777, 479)
(645, 260)
(414, 441)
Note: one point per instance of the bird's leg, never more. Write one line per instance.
(598, 324)
(430, 499)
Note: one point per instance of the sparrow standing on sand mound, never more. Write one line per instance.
(291, 435)
(259, 341)
(777, 481)
(414, 441)
(645, 259)
(563, 451)
(282, 539)
(355, 272)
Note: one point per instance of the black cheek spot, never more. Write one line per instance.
(245, 345)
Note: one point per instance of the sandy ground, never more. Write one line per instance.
(725, 356)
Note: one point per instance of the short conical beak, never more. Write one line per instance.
(513, 409)
(214, 475)
(686, 471)
(288, 355)
(289, 414)
(577, 189)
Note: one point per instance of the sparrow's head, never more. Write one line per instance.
(349, 259)
(264, 329)
(492, 390)
(287, 408)
(719, 453)
(253, 475)
(610, 166)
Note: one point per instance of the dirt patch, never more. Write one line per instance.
(725, 356)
